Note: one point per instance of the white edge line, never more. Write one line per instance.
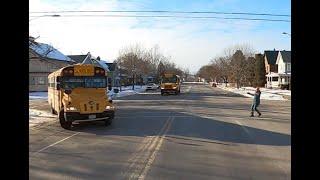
(57, 142)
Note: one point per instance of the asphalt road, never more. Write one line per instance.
(203, 133)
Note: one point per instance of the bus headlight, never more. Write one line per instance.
(174, 87)
(109, 108)
(71, 108)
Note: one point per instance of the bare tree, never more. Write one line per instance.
(138, 61)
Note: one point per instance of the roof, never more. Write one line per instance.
(89, 60)
(77, 58)
(103, 64)
(48, 51)
(286, 56)
(111, 66)
(271, 56)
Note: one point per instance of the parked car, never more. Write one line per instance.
(152, 86)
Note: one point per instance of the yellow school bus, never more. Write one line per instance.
(77, 93)
(170, 83)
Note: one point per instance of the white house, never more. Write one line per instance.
(270, 58)
(284, 68)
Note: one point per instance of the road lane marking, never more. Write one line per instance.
(154, 153)
(141, 162)
(138, 155)
(56, 143)
(145, 155)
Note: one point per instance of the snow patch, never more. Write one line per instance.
(126, 91)
(266, 94)
(37, 117)
(38, 95)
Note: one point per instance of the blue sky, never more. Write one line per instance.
(191, 43)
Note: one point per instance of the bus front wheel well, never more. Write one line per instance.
(63, 121)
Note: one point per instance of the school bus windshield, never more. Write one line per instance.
(172, 79)
(85, 82)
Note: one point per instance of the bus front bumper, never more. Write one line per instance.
(77, 117)
(169, 90)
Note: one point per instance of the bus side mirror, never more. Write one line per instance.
(67, 91)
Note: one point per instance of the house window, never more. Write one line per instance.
(41, 80)
(274, 78)
(289, 67)
(32, 81)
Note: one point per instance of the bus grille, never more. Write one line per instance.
(85, 107)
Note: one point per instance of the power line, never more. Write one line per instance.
(178, 12)
(186, 17)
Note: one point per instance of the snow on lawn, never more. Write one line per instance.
(273, 91)
(38, 95)
(126, 91)
(266, 94)
(37, 117)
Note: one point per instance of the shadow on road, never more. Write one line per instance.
(129, 123)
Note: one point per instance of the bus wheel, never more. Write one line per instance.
(108, 121)
(53, 111)
(64, 124)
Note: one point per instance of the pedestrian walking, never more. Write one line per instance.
(256, 102)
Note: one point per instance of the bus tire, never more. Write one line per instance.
(63, 123)
(53, 111)
(108, 121)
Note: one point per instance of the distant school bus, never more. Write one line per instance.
(170, 83)
(78, 93)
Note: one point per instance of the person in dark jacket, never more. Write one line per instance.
(256, 102)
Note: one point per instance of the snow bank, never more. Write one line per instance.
(38, 95)
(126, 91)
(37, 117)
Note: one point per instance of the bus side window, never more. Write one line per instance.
(57, 83)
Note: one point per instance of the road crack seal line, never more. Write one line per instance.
(141, 162)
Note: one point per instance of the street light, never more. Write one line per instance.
(53, 15)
